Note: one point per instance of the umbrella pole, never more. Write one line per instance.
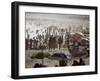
(42, 61)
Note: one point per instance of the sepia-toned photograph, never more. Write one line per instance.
(56, 40)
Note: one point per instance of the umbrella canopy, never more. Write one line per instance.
(80, 33)
(86, 39)
(58, 56)
(40, 55)
(84, 42)
(77, 36)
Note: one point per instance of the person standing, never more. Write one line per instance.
(60, 41)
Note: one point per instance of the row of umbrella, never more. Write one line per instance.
(55, 56)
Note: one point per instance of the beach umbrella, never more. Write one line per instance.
(77, 36)
(80, 33)
(40, 55)
(84, 41)
(61, 57)
(58, 56)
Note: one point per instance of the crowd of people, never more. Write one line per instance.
(48, 40)
(76, 63)
(62, 63)
(51, 43)
(37, 65)
(57, 40)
